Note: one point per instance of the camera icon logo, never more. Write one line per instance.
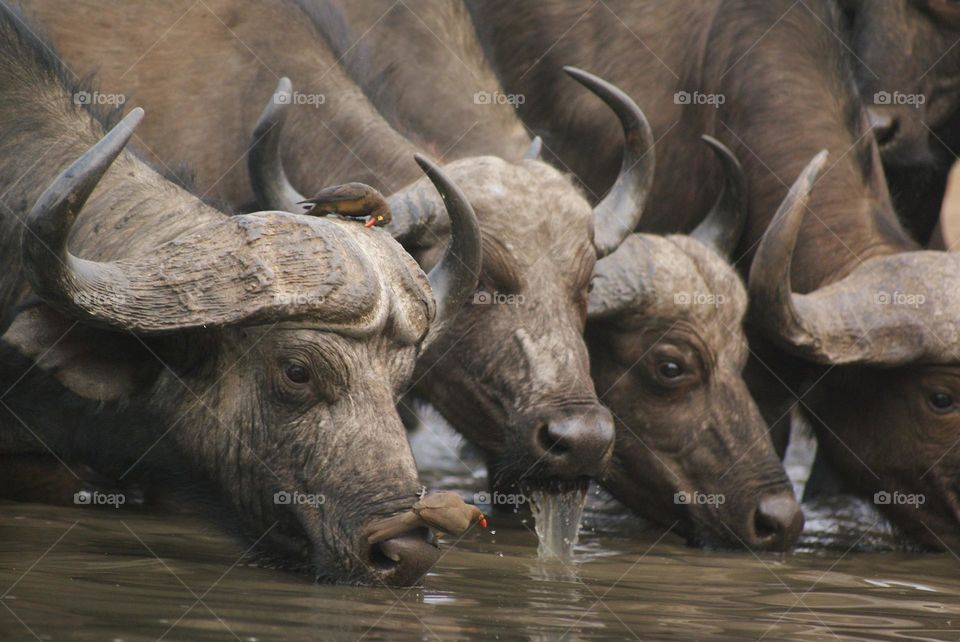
(881, 498)
(83, 498)
(882, 98)
(81, 98)
(481, 498)
(681, 98)
(282, 98)
(482, 298)
(683, 497)
(282, 498)
(681, 298)
(482, 98)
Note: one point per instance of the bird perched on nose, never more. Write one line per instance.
(352, 200)
(441, 511)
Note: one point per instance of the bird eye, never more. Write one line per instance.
(297, 373)
(379, 218)
(669, 369)
(940, 401)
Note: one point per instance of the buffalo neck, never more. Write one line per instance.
(442, 92)
(795, 95)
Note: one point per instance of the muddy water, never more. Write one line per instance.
(106, 574)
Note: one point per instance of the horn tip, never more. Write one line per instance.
(721, 150)
(579, 75)
(816, 166)
(425, 163)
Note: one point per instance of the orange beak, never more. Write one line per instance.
(483, 521)
(371, 221)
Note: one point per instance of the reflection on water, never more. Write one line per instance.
(87, 573)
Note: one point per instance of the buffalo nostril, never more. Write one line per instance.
(575, 445)
(778, 521)
(884, 125)
(549, 441)
(403, 560)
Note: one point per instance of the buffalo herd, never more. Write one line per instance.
(656, 236)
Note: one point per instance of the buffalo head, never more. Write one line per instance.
(667, 349)
(285, 341)
(886, 401)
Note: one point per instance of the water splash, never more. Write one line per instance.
(557, 519)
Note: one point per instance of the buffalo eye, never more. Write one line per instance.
(297, 373)
(669, 369)
(940, 401)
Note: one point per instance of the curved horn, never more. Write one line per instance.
(533, 152)
(231, 269)
(454, 278)
(57, 276)
(723, 225)
(618, 214)
(270, 185)
(890, 310)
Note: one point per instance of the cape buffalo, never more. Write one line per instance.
(773, 81)
(908, 68)
(253, 359)
(665, 339)
(514, 378)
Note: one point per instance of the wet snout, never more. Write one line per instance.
(571, 443)
(404, 559)
(777, 522)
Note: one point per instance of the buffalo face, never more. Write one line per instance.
(692, 448)
(515, 380)
(893, 436)
(308, 448)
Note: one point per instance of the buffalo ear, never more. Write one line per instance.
(92, 363)
(946, 235)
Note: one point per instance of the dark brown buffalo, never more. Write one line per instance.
(515, 377)
(250, 363)
(666, 343)
(868, 350)
(908, 68)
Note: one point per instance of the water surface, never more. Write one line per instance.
(106, 574)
